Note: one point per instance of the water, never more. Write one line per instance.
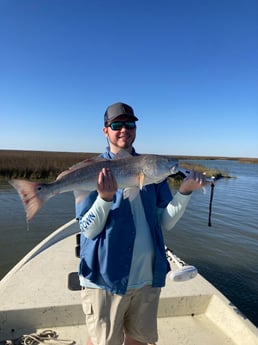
(226, 253)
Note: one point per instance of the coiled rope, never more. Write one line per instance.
(46, 337)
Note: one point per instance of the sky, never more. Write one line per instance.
(189, 68)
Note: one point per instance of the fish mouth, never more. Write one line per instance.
(174, 169)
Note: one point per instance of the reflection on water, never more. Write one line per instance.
(16, 238)
(225, 253)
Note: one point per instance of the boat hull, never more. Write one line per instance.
(37, 295)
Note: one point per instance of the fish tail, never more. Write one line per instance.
(29, 193)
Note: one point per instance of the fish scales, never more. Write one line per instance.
(130, 172)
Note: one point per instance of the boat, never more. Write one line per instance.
(40, 301)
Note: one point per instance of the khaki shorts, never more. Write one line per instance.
(109, 316)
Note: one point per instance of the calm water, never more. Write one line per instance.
(225, 253)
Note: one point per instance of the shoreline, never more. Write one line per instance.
(91, 154)
(46, 165)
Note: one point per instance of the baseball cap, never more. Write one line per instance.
(118, 109)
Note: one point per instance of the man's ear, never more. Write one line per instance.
(105, 131)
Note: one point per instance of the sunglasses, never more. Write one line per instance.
(117, 126)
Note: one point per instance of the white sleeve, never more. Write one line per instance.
(93, 221)
(174, 211)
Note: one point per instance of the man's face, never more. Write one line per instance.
(123, 137)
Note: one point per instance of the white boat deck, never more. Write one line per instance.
(32, 300)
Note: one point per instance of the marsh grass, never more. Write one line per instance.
(203, 169)
(46, 165)
(37, 165)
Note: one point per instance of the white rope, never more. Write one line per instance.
(43, 338)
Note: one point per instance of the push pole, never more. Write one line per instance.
(210, 205)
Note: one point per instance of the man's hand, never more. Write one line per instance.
(194, 181)
(106, 185)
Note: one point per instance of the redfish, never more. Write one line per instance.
(131, 173)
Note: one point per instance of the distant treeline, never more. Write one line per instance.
(43, 165)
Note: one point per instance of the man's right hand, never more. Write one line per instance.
(106, 185)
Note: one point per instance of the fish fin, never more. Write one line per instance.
(62, 174)
(141, 180)
(86, 162)
(79, 195)
(29, 193)
(80, 165)
(130, 193)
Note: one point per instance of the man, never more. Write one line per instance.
(123, 262)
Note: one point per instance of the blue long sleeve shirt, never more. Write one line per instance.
(107, 256)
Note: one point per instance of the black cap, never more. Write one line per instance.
(118, 109)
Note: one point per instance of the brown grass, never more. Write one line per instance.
(37, 164)
(42, 165)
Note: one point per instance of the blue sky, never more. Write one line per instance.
(189, 68)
